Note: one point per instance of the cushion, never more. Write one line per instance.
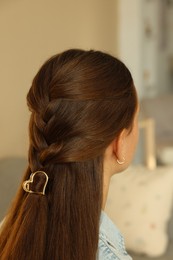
(140, 202)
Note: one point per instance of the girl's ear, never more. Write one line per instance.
(119, 146)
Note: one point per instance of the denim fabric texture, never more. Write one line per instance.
(111, 242)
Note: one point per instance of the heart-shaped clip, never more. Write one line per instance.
(26, 184)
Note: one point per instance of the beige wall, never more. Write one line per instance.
(30, 32)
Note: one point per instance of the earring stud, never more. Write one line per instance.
(121, 162)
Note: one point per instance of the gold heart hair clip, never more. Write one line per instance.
(38, 178)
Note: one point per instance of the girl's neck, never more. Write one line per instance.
(106, 182)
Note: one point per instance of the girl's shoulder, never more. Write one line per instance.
(111, 243)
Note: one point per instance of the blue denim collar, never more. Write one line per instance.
(112, 233)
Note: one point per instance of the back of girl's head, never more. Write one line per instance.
(80, 101)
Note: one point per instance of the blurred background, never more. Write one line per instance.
(139, 32)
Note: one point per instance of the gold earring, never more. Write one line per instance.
(121, 162)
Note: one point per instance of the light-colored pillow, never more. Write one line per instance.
(139, 202)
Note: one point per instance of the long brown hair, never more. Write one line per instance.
(79, 101)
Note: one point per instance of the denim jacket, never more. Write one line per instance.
(111, 243)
